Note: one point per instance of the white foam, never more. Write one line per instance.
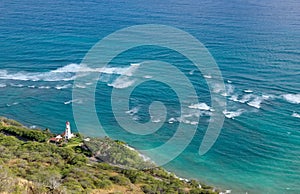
(136, 118)
(155, 120)
(296, 115)
(207, 76)
(292, 98)
(234, 98)
(83, 68)
(17, 85)
(206, 113)
(233, 114)
(145, 158)
(73, 68)
(44, 87)
(256, 103)
(60, 87)
(217, 88)
(248, 91)
(78, 101)
(2, 85)
(192, 72)
(123, 82)
(197, 113)
(135, 64)
(200, 106)
(228, 81)
(133, 111)
(147, 76)
(245, 98)
(14, 103)
(187, 119)
(66, 73)
(266, 97)
(172, 120)
(187, 115)
(184, 121)
(80, 86)
(37, 76)
(129, 71)
(194, 123)
(68, 102)
(32, 86)
(229, 90)
(250, 99)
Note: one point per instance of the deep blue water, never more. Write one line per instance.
(255, 43)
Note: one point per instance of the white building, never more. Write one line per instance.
(68, 134)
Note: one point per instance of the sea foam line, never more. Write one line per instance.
(66, 73)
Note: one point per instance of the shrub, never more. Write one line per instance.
(199, 191)
(31, 134)
(103, 184)
(120, 180)
(148, 189)
(78, 159)
(10, 122)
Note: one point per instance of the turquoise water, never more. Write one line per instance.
(255, 43)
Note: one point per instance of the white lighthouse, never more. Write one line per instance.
(68, 134)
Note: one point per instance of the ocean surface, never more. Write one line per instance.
(256, 45)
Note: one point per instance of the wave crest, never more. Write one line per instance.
(292, 98)
(66, 73)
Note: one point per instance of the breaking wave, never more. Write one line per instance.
(60, 87)
(66, 73)
(200, 106)
(44, 87)
(233, 114)
(296, 115)
(250, 99)
(123, 82)
(256, 102)
(292, 98)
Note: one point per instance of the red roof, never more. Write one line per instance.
(54, 139)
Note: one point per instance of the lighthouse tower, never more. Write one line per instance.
(68, 134)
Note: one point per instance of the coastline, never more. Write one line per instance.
(27, 135)
(146, 158)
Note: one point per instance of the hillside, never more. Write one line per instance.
(30, 164)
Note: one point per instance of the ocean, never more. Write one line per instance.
(256, 45)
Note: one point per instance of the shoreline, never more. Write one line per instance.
(147, 159)
(28, 135)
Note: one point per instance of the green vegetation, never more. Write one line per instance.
(6, 121)
(14, 128)
(28, 164)
(117, 153)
